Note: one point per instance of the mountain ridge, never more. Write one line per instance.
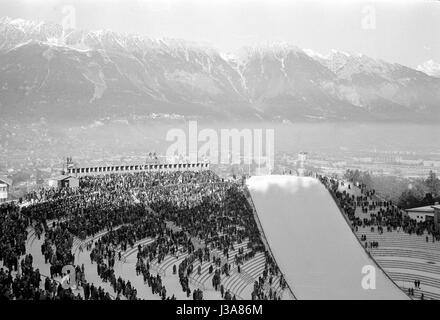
(76, 74)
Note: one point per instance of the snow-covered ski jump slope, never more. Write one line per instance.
(312, 243)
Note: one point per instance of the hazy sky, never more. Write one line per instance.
(403, 31)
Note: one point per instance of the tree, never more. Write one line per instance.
(412, 197)
(433, 184)
(352, 175)
(363, 177)
(366, 179)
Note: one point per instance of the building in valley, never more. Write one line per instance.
(5, 184)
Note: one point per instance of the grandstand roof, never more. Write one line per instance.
(6, 180)
(116, 162)
(424, 209)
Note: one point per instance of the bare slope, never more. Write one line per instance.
(312, 242)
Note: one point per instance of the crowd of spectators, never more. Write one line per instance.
(383, 215)
(186, 213)
(13, 235)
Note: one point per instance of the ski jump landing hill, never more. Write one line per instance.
(312, 243)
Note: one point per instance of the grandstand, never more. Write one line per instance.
(149, 235)
(407, 258)
(188, 234)
(407, 251)
(106, 169)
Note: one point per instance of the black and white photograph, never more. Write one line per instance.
(224, 150)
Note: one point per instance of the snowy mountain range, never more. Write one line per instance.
(72, 75)
(430, 67)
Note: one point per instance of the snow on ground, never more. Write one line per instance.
(127, 271)
(33, 247)
(311, 241)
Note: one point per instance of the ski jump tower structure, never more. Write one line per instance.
(302, 157)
